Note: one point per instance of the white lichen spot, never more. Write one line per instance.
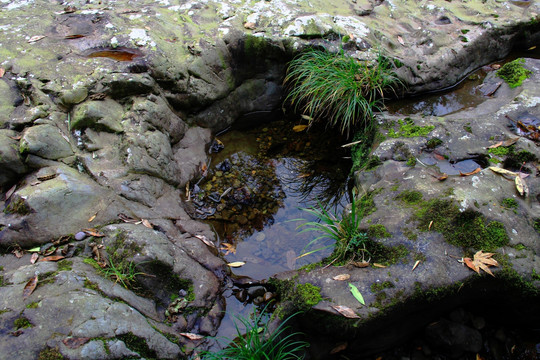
(135, 16)
(475, 181)
(352, 25)
(140, 38)
(309, 25)
(514, 231)
(109, 26)
(114, 41)
(16, 4)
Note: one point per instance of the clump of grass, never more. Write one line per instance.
(514, 73)
(349, 240)
(338, 88)
(257, 342)
(123, 272)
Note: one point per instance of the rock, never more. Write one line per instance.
(74, 96)
(81, 235)
(45, 141)
(7, 102)
(10, 159)
(190, 152)
(103, 115)
(452, 338)
(120, 85)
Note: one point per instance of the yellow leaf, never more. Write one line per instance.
(521, 186)
(502, 171)
(341, 277)
(236, 264)
(379, 265)
(299, 128)
(415, 265)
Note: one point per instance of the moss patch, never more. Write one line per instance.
(50, 354)
(301, 296)
(407, 128)
(378, 286)
(22, 323)
(433, 143)
(137, 344)
(510, 203)
(468, 229)
(514, 73)
(32, 305)
(378, 231)
(410, 197)
(65, 265)
(17, 205)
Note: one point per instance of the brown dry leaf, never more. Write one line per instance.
(438, 156)
(34, 258)
(400, 40)
(342, 277)
(192, 336)
(2, 72)
(229, 248)
(127, 219)
(495, 145)
(236, 264)
(475, 171)
(92, 218)
(502, 171)
(379, 265)
(415, 265)
(339, 348)
(298, 128)
(46, 177)
(74, 36)
(18, 137)
(205, 240)
(18, 253)
(10, 192)
(52, 258)
(249, 25)
(75, 342)
(360, 264)
(495, 66)
(482, 261)
(521, 186)
(93, 232)
(30, 287)
(442, 177)
(33, 39)
(510, 141)
(346, 311)
(147, 223)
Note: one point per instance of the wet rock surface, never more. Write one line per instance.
(107, 111)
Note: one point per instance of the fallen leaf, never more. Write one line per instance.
(93, 232)
(438, 156)
(339, 348)
(147, 223)
(482, 261)
(2, 72)
(18, 253)
(495, 145)
(46, 177)
(502, 171)
(342, 277)
(299, 128)
(18, 137)
(291, 259)
(442, 177)
(30, 287)
(236, 264)
(510, 141)
(52, 258)
(10, 192)
(75, 342)
(360, 264)
(127, 219)
(74, 36)
(306, 117)
(400, 40)
(229, 248)
(356, 293)
(379, 265)
(346, 311)
(495, 66)
(92, 218)
(249, 25)
(521, 186)
(34, 258)
(475, 171)
(205, 240)
(33, 39)
(34, 249)
(192, 336)
(430, 223)
(415, 265)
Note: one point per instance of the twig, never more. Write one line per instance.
(351, 144)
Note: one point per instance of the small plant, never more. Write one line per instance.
(349, 240)
(258, 342)
(338, 88)
(123, 272)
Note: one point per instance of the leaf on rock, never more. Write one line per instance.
(356, 293)
(510, 141)
(521, 186)
(495, 145)
(92, 218)
(475, 171)
(346, 311)
(147, 223)
(482, 261)
(339, 348)
(236, 264)
(400, 40)
(75, 342)
(30, 287)
(205, 240)
(299, 128)
(192, 336)
(93, 232)
(415, 265)
(342, 277)
(2, 72)
(52, 258)
(18, 253)
(377, 265)
(33, 39)
(442, 177)
(127, 219)
(502, 171)
(34, 249)
(34, 258)
(360, 264)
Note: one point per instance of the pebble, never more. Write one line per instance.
(260, 236)
(81, 235)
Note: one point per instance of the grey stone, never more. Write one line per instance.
(45, 141)
(74, 96)
(10, 159)
(103, 115)
(119, 85)
(7, 106)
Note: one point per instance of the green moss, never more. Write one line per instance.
(464, 31)
(360, 152)
(17, 205)
(91, 285)
(433, 143)
(301, 297)
(468, 229)
(2, 283)
(407, 128)
(386, 255)
(535, 276)
(378, 231)
(32, 305)
(309, 293)
(65, 265)
(536, 225)
(514, 73)
(510, 203)
(500, 151)
(468, 128)
(3, 311)
(411, 161)
(419, 257)
(367, 204)
(50, 354)
(410, 234)
(463, 38)
(394, 187)
(22, 323)
(137, 344)
(410, 197)
(378, 286)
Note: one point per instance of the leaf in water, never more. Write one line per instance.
(356, 293)
(192, 336)
(75, 342)
(33, 39)
(30, 287)
(205, 240)
(52, 258)
(236, 264)
(228, 248)
(475, 171)
(342, 277)
(346, 311)
(291, 259)
(34, 258)
(521, 186)
(438, 156)
(415, 265)
(377, 265)
(93, 232)
(339, 348)
(147, 223)
(299, 128)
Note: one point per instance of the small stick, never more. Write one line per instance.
(351, 144)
